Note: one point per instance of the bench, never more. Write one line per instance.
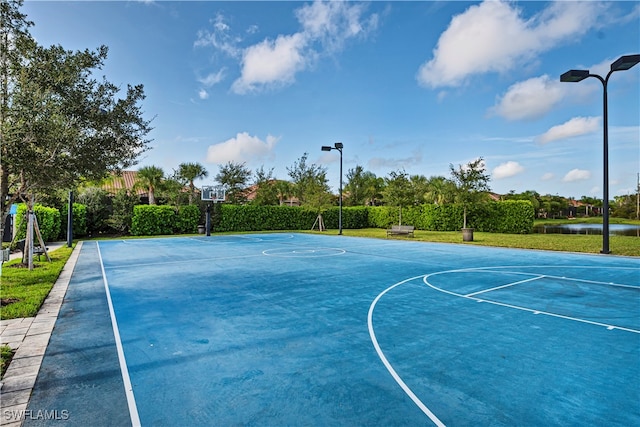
(37, 250)
(401, 230)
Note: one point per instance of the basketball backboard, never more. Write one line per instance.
(211, 193)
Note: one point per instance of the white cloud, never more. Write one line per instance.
(219, 38)
(212, 78)
(334, 22)
(576, 175)
(508, 169)
(326, 26)
(494, 37)
(529, 99)
(203, 94)
(242, 148)
(575, 127)
(547, 176)
(271, 63)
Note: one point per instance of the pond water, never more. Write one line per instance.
(614, 229)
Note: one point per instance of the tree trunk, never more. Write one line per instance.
(464, 222)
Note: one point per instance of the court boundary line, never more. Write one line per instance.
(527, 309)
(386, 362)
(499, 269)
(128, 388)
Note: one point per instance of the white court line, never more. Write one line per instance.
(505, 286)
(560, 316)
(386, 363)
(128, 388)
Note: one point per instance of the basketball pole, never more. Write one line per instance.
(208, 220)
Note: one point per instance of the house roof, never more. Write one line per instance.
(126, 180)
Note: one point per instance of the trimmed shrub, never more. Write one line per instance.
(258, 218)
(187, 219)
(152, 220)
(48, 222)
(513, 216)
(79, 220)
(383, 216)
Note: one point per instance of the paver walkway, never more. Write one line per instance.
(30, 337)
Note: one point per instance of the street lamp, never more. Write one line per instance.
(337, 146)
(623, 63)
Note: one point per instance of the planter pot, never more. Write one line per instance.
(467, 234)
(201, 229)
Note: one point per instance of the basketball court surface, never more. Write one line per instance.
(322, 330)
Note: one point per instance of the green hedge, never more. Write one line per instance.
(187, 219)
(152, 220)
(48, 222)
(79, 220)
(514, 216)
(259, 218)
(353, 217)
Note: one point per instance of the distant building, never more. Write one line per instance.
(125, 180)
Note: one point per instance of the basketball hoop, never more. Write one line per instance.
(211, 193)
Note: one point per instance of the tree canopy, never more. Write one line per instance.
(472, 183)
(59, 124)
(234, 177)
(309, 183)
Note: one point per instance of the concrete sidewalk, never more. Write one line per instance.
(29, 338)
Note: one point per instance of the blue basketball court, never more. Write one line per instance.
(301, 329)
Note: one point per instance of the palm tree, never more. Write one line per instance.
(440, 190)
(190, 172)
(150, 178)
(284, 190)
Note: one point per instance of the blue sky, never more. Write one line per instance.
(413, 86)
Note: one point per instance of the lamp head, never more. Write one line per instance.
(625, 62)
(339, 145)
(574, 76)
(326, 148)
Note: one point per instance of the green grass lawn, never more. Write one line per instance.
(5, 357)
(23, 291)
(619, 245)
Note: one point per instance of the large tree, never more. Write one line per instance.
(59, 123)
(472, 184)
(363, 187)
(398, 191)
(189, 172)
(235, 178)
(309, 181)
(266, 187)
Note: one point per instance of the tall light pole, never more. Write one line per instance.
(337, 146)
(623, 63)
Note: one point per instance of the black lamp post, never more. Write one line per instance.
(621, 64)
(337, 146)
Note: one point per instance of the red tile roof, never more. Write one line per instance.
(126, 179)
